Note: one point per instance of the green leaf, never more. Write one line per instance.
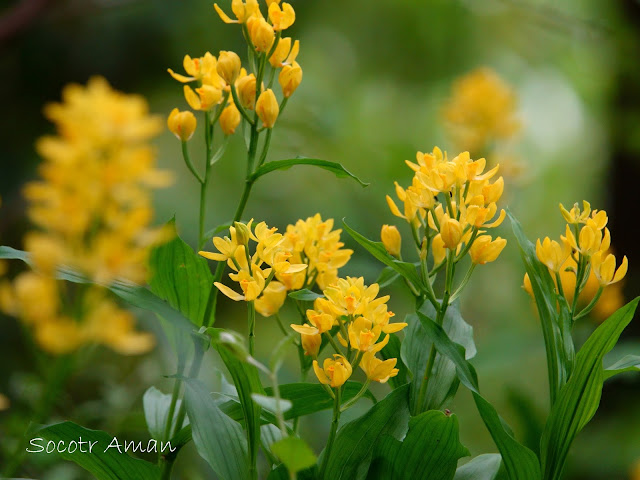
(629, 363)
(218, 439)
(104, 461)
(156, 409)
(271, 403)
(543, 288)
(294, 453)
(247, 381)
(181, 277)
(579, 398)
(387, 276)
(392, 350)
(520, 462)
(430, 450)
(482, 467)
(333, 167)
(353, 446)
(415, 352)
(407, 270)
(305, 295)
(280, 351)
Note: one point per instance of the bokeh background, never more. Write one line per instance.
(376, 76)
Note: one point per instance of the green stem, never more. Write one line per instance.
(239, 106)
(332, 433)
(586, 310)
(251, 319)
(174, 400)
(187, 161)
(352, 402)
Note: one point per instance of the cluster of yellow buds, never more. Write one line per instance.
(257, 283)
(223, 83)
(581, 263)
(314, 243)
(361, 319)
(480, 111)
(454, 201)
(93, 209)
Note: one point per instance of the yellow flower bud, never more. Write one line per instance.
(207, 96)
(378, 370)
(484, 250)
(181, 124)
(311, 344)
(281, 18)
(228, 66)
(243, 233)
(451, 231)
(261, 34)
(267, 108)
(230, 119)
(391, 239)
(438, 249)
(526, 285)
(246, 88)
(290, 78)
(334, 372)
(272, 299)
(552, 253)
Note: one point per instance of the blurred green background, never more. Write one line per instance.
(376, 75)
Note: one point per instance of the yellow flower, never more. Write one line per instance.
(207, 97)
(230, 119)
(552, 253)
(481, 109)
(438, 249)
(284, 53)
(267, 108)
(350, 296)
(290, 78)
(246, 88)
(181, 124)
(604, 268)
(228, 66)
(272, 299)
(334, 372)
(196, 68)
(363, 335)
(261, 33)
(378, 370)
(451, 231)
(484, 250)
(391, 239)
(242, 10)
(311, 344)
(589, 240)
(281, 17)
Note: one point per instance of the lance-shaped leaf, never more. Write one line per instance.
(106, 459)
(407, 270)
(333, 167)
(580, 397)
(218, 439)
(181, 277)
(482, 467)
(629, 363)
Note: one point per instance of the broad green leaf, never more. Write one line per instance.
(107, 458)
(545, 297)
(218, 439)
(430, 450)
(579, 398)
(407, 270)
(271, 403)
(415, 352)
(520, 462)
(247, 381)
(482, 467)
(156, 409)
(353, 447)
(294, 453)
(281, 473)
(305, 295)
(181, 277)
(392, 350)
(333, 167)
(629, 363)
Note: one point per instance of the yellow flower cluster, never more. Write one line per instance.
(361, 319)
(223, 82)
(580, 262)
(480, 111)
(93, 209)
(314, 243)
(257, 283)
(457, 201)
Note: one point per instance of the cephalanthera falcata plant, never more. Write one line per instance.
(92, 250)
